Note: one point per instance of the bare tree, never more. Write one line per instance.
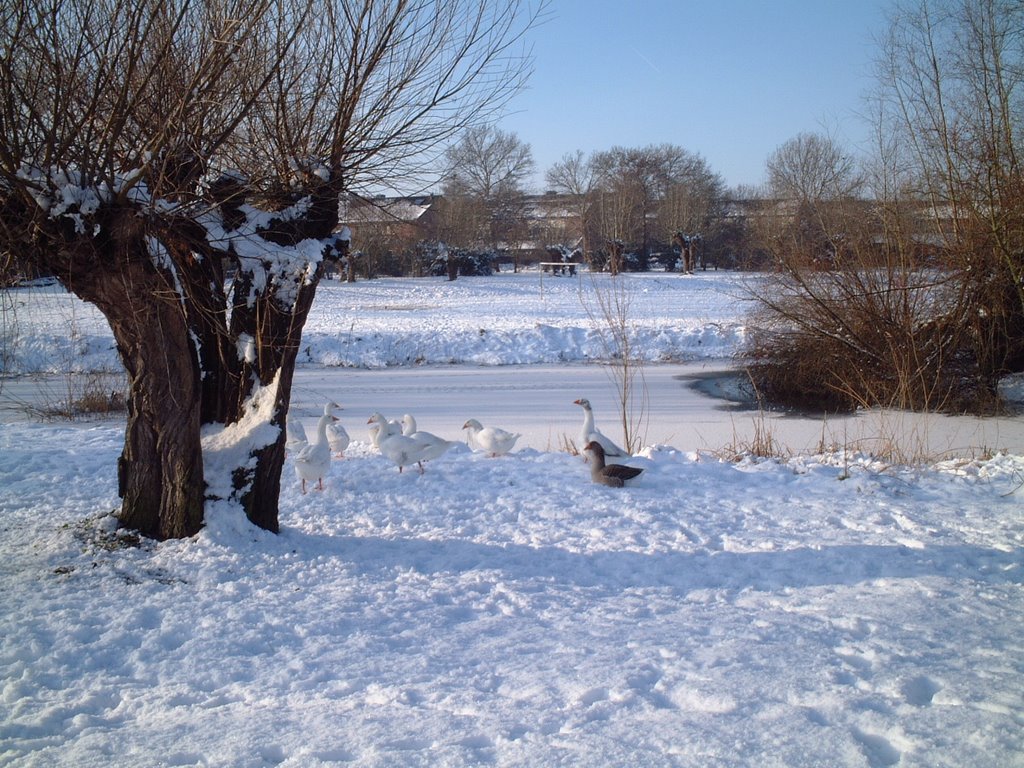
(487, 162)
(811, 179)
(485, 177)
(692, 203)
(573, 176)
(148, 148)
(811, 167)
(643, 195)
(630, 182)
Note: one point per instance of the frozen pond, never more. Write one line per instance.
(515, 351)
(537, 400)
(682, 410)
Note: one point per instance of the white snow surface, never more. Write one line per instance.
(827, 609)
(506, 319)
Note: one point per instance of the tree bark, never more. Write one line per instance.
(276, 329)
(160, 470)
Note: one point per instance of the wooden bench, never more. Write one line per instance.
(559, 267)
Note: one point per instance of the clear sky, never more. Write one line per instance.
(730, 80)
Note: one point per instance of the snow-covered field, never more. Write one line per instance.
(506, 319)
(827, 609)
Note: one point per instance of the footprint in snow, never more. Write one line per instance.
(920, 691)
(860, 663)
(877, 749)
(643, 683)
(817, 717)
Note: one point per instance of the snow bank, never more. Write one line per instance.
(506, 319)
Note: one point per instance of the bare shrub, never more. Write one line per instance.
(865, 336)
(861, 313)
(610, 311)
(912, 296)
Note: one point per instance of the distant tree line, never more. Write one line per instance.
(619, 209)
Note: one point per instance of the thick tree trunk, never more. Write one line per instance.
(191, 362)
(160, 470)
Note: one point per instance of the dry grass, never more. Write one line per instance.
(762, 442)
(76, 396)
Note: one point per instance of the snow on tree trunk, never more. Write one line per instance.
(280, 258)
(276, 332)
(197, 364)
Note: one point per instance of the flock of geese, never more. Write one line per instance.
(401, 442)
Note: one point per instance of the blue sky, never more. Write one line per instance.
(730, 80)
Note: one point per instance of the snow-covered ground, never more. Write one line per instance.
(506, 319)
(826, 609)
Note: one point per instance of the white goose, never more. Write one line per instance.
(400, 450)
(337, 435)
(314, 461)
(384, 427)
(492, 440)
(296, 439)
(589, 433)
(438, 446)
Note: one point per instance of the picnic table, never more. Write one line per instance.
(559, 267)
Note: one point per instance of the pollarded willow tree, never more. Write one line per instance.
(179, 163)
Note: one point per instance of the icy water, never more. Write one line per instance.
(692, 407)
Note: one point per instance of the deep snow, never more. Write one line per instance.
(824, 609)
